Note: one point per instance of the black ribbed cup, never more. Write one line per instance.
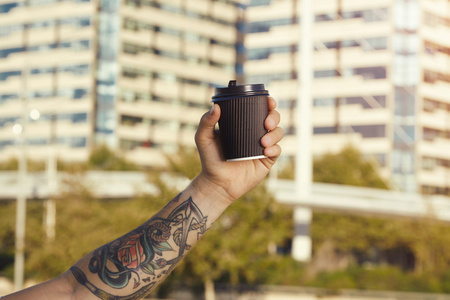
(243, 111)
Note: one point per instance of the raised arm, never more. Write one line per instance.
(132, 265)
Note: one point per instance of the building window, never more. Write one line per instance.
(432, 77)
(6, 143)
(429, 163)
(10, 29)
(368, 44)
(74, 94)
(259, 2)
(325, 73)
(130, 144)
(5, 52)
(430, 105)
(44, 70)
(375, 43)
(5, 8)
(324, 130)
(429, 134)
(375, 15)
(325, 17)
(130, 120)
(37, 142)
(8, 121)
(7, 97)
(75, 69)
(79, 118)
(369, 15)
(435, 190)
(73, 142)
(40, 2)
(370, 131)
(42, 24)
(367, 102)
(5, 75)
(130, 49)
(42, 94)
(367, 73)
(265, 26)
(324, 102)
(404, 101)
(128, 96)
(371, 72)
(432, 48)
(79, 93)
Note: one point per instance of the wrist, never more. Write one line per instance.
(211, 190)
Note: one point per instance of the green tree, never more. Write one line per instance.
(83, 223)
(7, 223)
(80, 218)
(347, 167)
(236, 249)
(103, 158)
(347, 233)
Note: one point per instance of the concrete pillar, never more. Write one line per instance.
(301, 243)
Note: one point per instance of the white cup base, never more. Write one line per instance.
(247, 158)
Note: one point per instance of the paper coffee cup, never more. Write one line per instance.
(244, 109)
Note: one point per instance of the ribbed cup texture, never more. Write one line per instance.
(241, 126)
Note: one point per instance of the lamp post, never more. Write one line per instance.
(49, 218)
(20, 130)
(50, 205)
(19, 259)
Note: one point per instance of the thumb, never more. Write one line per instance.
(205, 131)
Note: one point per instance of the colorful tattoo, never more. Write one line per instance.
(138, 256)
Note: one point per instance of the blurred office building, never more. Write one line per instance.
(380, 80)
(135, 75)
(138, 74)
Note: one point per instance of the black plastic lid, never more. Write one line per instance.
(233, 90)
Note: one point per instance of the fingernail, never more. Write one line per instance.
(212, 110)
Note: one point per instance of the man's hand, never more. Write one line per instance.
(233, 179)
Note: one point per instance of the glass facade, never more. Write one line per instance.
(107, 72)
(176, 55)
(43, 56)
(114, 76)
(346, 71)
(383, 80)
(405, 77)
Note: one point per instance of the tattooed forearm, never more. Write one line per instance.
(81, 278)
(142, 257)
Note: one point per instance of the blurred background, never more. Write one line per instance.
(100, 100)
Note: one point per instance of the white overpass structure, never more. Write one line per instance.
(363, 200)
(323, 196)
(114, 184)
(123, 185)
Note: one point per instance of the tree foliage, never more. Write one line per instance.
(347, 167)
(83, 223)
(425, 238)
(103, 158)
(7, 229)
(236, 248)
